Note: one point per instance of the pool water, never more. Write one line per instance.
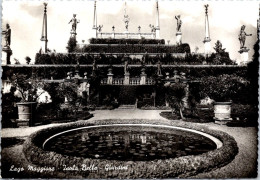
(125, 143)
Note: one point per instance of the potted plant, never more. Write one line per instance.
(222, 89)
(28, 89)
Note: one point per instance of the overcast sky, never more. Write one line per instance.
(225, 19)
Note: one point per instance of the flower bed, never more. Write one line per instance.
(179, 167)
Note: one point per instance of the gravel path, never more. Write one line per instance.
(243, 166)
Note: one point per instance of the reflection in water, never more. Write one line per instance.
(130, 145)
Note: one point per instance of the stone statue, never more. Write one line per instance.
(139, 28)
(126, 20)
(242, 37)
(179, 23)
(153, 29)
(126, 70)
(7, 34)
(99, 28)
(159, 68)
(74, 23)
(94, 67)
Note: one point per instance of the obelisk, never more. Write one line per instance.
(207, 39)
(44, 38)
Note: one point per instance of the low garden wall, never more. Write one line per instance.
(99, 168)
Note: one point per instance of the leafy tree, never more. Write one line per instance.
(222, 88)
(72, 44)
(28, 59)
(218, 47)
(27, 87)
(175, 95)
(70, 91)
(253, 68)
(16, 61)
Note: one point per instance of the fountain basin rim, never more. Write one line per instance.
(218, 143)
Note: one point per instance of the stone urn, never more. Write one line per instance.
(222, 112)
(26, 114)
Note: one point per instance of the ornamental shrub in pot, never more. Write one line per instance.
(222, 89)
(28, 89)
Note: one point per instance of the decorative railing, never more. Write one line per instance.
(132, 81)
(126, 35)
(135, 81)
(118, 81)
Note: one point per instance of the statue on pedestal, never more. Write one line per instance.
(94, 67)
(159, 68)
(126, 69)
(179, 23)
(242, 37)
(7, 36)
(126, 20)
(74, 23)
(99, 28)
(153, 29)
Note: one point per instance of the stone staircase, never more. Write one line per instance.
(126, 106)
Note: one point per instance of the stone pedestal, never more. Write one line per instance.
(73, 34)
(178, 38)
(244, 56)
(207, 46)
(143, 79)
(127, 78)
(157, 33)
(222, 112)
(8, 52)
(110, 76)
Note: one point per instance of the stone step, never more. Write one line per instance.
(126, 106)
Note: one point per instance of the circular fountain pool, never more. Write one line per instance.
(132, 150)
(129, 143)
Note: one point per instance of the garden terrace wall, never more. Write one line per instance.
(60, 71)
(125, 41)
(182, 167)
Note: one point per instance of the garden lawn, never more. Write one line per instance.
(243, 166)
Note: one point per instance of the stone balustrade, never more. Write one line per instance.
(126, 35)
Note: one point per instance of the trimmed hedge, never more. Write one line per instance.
(134, 48)
(169, 59)
(125, 41)
(178, 167)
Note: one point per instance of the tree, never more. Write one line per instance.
(70, 91)
(16, 61)
(72, 44)
(28, 59)
(218, 47)
(175, 95)
(28, 87)
(253, 68)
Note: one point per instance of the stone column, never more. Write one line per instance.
(178, 38)
(110, 76)
(127, 78)
(143, 77)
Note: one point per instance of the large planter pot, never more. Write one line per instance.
(222, 112)
(26, 114)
